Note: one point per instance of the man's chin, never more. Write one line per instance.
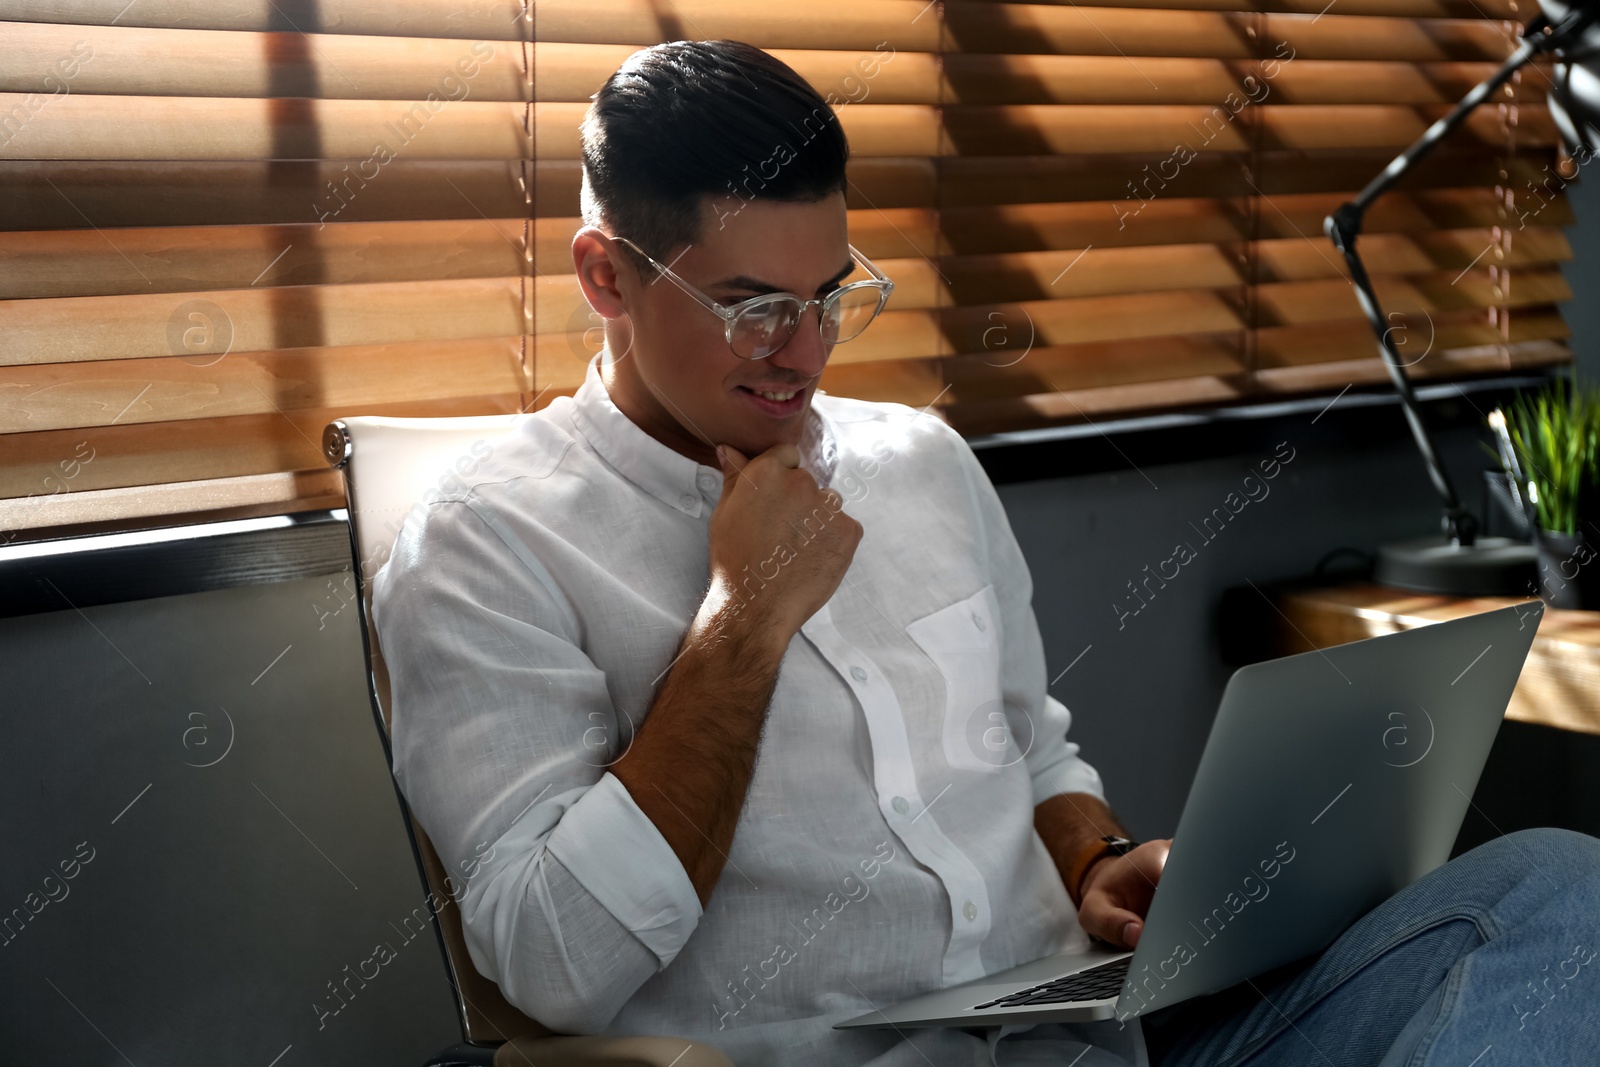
(752, 445)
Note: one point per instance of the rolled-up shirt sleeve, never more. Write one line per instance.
(1038, 720)
(502, 728)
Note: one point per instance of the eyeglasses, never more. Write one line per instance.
(760, 326)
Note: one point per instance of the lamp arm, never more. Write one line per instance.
(1460, 525)
(1344, 226)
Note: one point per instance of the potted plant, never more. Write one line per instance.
(1550, 446)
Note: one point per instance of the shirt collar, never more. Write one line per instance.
(668, 475)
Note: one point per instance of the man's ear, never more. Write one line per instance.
(595, 260)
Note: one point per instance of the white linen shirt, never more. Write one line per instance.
(886, 846)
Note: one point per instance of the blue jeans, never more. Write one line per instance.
(1489, 961)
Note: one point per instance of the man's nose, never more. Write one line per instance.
(805, 353)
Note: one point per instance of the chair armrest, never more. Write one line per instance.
(609, 1052)
(465, 1054)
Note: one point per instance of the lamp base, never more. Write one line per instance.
(1494, 566)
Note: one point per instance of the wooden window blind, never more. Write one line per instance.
(225, 222)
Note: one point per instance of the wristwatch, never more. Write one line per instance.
(1109, 845)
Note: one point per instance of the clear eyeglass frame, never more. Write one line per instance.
(733, 314)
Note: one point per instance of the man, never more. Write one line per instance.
(726, 760)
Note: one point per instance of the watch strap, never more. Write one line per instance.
(1088, 856)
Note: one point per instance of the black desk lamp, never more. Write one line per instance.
(1459, 562)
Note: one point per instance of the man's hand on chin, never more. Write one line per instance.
(1117, 892)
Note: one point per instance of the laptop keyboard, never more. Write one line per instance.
(1096, 983)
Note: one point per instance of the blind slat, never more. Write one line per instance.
(1138, 180)
(887, 233)
(64, 395)
(1018, 130)
(371, 134)
(1076, 30)
(900, 233)
(130, 60)
(47, 195)
(506, 19)
(152, 453)
(916, 382)
(906, 25)
(997, 373)
(84, 328)
(1328, 342)
(570, 73)
(1045, 408)
(1294, 275)
(982, 279)
(179, 259)
(1456, 9)
(1289, 303)
(490, 20)
(957, 182)
(97, 510)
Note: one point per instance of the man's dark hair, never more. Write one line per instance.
(686, 120)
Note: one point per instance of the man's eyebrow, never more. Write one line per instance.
(755, 285)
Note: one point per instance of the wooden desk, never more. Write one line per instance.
(1560, 684)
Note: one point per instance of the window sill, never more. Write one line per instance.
(1368, 415)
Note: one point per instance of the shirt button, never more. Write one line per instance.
(970, 910)
(900, 805)
(690, 500)
(858, 674)
(977, 620)
(708, 481)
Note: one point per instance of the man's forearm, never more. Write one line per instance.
(691, 761)
(1068, 823)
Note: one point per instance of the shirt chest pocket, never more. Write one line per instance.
(963, 641)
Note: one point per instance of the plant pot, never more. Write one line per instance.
(1569, 569)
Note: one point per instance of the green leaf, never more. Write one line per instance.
(1556, 435)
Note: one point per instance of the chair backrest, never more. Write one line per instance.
(389, 465)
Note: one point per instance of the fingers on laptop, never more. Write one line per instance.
(1118, 892)
(1112, 924)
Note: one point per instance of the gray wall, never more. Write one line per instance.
(205, 859)
(1144, 692)
(1583, 273)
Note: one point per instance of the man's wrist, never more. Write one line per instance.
(726, 623)
(1090, 856)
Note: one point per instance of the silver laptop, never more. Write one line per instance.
(1330, 781)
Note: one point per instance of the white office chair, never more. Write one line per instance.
(389, 465)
